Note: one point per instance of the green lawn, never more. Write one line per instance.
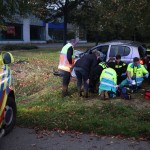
(40, 104)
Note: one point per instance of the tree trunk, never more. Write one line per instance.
(65, 22)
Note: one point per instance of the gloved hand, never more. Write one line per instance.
(130, 81)
(117, 86)
(146, 76)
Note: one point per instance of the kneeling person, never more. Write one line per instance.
(135, 74)
(108, 81)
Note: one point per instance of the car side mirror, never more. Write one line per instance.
(8, 58)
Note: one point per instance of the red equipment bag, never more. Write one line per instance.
(147, 95)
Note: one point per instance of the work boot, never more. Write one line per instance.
(106, 95)
(80, 93)
(65, 91)
(102, 95)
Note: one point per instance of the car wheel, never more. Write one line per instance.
(9, 115)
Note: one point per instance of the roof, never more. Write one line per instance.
(126, 42)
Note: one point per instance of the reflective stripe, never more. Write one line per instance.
(4, 91)
(148, 50)
(107, 79)
(63, 61)
(139, 82)
(118, 66)
(103, 65)
(108, 73)
(2, 82)
(107, 84)
(139, 77)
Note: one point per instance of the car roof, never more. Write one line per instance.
(122, 42)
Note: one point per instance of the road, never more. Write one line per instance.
(27, 139)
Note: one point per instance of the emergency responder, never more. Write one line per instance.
(108, 81)
(120, 68)
(147, 61)
(83, 69)
(94, 78)
(66, 64)
(135, 74)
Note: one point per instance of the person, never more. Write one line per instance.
(83, 69)
(135, 74)
(94, 78)
(147, 61)
(66, 63)
(108, 81)
(120, 68)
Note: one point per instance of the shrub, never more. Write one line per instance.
(11, 47)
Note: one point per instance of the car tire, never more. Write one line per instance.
(9, 115)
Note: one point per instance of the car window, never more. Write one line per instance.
(119, 50)
(103, 49)
(141, 51)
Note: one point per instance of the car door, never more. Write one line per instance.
(123, 50)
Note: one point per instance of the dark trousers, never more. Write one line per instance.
(82, 75)
(120, 78)
(66, 78)
(94, 78)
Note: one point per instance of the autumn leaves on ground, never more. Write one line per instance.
(39, 101)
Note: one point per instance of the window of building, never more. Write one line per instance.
(119, 50)
(12, 32)
(37, 33)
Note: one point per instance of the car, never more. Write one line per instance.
(127, 49)
(8, 107)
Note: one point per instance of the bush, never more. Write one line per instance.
(12, 47)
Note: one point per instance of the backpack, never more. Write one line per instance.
(147, 95)
(125, 93)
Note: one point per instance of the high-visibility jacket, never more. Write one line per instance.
(120, 65)
(103, 65)
(63, 61)
(108, 80)
(137, 72)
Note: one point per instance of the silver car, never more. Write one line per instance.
(127, 49)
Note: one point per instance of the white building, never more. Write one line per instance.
(34, 30)
(24, 30)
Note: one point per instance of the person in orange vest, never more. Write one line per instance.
(66, 63)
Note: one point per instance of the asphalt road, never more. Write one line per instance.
(27, 139)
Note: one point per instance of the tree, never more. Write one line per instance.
(10, 8)
(7, 8)
(53, 9)
(96, 16)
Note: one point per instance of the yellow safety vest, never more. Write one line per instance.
(63, 61)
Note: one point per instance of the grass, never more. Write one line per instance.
(39, 101)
